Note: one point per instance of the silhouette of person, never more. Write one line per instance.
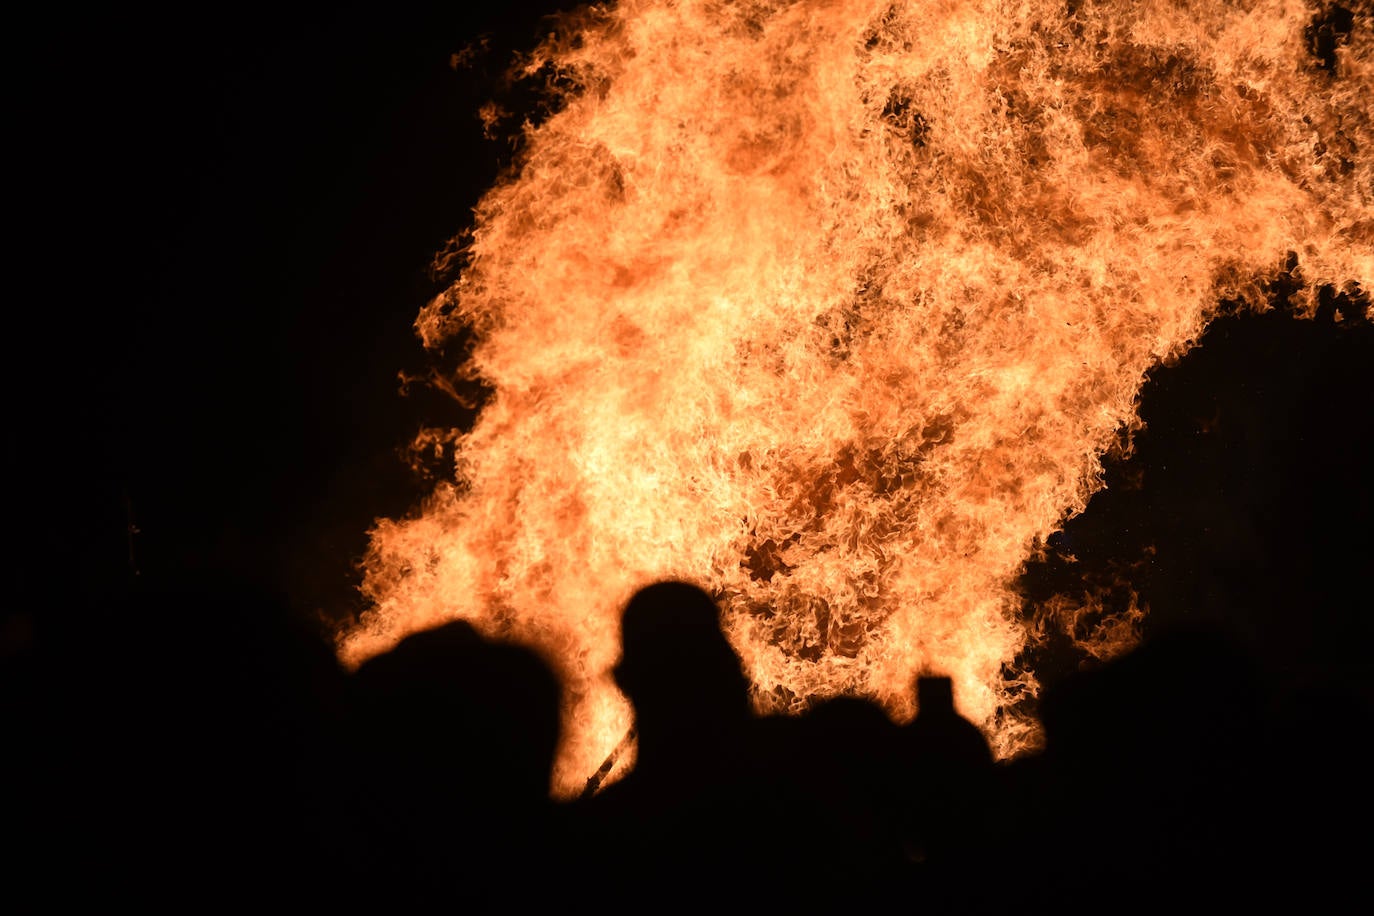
(683, 678)
(455, 738)
(947, 793)
(675, 825)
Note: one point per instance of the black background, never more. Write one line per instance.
(230, 215)
(227, 219)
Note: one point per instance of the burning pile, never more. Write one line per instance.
(835, 305)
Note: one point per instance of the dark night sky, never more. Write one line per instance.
(231, 220)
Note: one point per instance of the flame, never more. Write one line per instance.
(834, 306)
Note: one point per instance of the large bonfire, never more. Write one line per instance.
(834, 306)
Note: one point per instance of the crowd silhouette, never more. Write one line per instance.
(198, 750)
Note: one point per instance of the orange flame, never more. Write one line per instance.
(834, 305)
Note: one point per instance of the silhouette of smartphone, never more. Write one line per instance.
(934, 693)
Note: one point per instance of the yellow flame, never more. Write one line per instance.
(833, 306)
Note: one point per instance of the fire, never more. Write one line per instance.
(834, 306)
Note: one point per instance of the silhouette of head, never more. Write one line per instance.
(458, 710)
(455, 735)
(677, 668)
